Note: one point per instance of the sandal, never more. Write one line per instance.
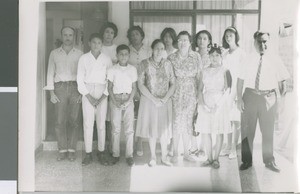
(215, 164)
(206, 163)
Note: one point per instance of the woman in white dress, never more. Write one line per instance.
(212, 107)
(232, 60)
(169, 37)
(202, 42)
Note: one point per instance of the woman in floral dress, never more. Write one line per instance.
(187, 65)
(157, 84)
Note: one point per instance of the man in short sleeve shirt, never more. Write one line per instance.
(262, 76)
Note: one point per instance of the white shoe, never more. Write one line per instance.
(189, 158)
(225, 152)
(232, 155)
(152, 163)
(139, 153)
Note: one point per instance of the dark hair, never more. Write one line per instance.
(203, 32)
(122, 47)
(95, 35)
(172, 33)
(65, 27)
(155, 42)
(237, 37)
(215, 48)
(185, 33)
(137, 28)
(109, 25)
(259, 34)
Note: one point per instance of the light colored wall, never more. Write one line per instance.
(120, 16)
(40, 77)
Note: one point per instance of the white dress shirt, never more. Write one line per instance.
(272, 71)
(62, 67)
(122, 78)
(92, 71)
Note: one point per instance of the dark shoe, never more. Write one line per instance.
(245, 166)
(115, 160)
(61, 156)
(71, 156)
(272, 166)
(102, 158)
(130, 161)
(87, 159)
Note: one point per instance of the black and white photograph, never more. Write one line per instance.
(158, 96)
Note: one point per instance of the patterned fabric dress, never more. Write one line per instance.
(214, 94)
(185, 96)
(155, 122)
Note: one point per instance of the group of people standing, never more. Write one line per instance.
(180, 88)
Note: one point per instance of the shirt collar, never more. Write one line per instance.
(62, 50)
(142, 48)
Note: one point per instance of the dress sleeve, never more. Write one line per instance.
(141, 71)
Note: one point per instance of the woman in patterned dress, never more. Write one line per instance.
(203, 41)
(232, 60)
(157, 84)
(213, 108)
(187, 65)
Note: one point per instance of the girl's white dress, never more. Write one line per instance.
(214, 94)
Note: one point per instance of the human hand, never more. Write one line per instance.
(79, 99)
(92, 100)
(157, 102)
(125, 104)
(53, 98)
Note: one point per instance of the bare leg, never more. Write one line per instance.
(208, 146)
(152, 145)
(219, 143)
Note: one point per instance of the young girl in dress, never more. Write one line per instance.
(213, 118)
(232, 60)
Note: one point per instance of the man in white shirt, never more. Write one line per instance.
(92, 84)
(122, 88)
(262, 76)
(61, 82)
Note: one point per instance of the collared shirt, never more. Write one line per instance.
(111, 52)
(122, 78)
(137, 56)
(92, 71)
(62, 67)
(272, 71)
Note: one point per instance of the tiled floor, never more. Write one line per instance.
(184, 177)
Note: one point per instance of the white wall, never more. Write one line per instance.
(120, 16)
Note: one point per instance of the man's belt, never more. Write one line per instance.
(261, 92)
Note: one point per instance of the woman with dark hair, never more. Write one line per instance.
(138, 52)
(203, 42)
(233, 58)
(213, 110)
(169, 37)
(109, 32)
(157, 84)
(187, 65)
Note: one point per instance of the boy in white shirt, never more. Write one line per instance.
(92, 84)
(122, 79)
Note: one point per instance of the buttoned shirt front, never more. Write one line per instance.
(122, 78)
(272, 71)
(92, 71)
(137, 56)
(62, 67)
